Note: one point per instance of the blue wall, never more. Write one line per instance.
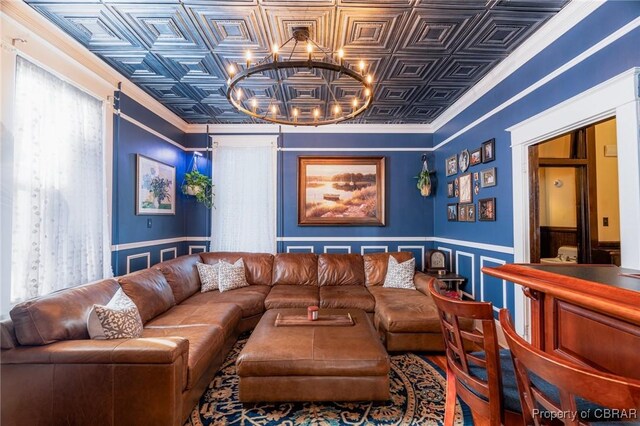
(614, 59)
(129, 228)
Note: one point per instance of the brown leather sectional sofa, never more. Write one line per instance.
(52, 373)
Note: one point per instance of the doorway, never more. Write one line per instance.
(574, 200)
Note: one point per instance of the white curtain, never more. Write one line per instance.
(244, 217)
(59, 211)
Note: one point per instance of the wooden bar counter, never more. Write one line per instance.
(589, 314)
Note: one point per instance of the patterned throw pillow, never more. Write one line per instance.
(119, 319)
(400, 275)
(208, 276)
(231, 276)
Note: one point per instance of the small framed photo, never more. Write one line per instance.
(487, 209)
(476, 176)
(463, 161)
(452, 212)
(466, 188)
(452, 165)
(488, 150)
(488, 177)
(476, 157)
(451, 189)
(466, 212)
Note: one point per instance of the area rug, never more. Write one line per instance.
(417, 398)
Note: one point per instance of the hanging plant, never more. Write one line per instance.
(424, 179)
(200, 186)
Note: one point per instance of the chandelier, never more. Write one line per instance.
(305, 54)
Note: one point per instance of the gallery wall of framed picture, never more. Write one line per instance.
(467, 180)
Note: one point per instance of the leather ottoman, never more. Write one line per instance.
(313, 362)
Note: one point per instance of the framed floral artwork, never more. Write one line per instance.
(452, 165)
(155, 187)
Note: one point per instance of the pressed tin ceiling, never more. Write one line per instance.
(424, 54)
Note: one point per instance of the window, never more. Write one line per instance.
(59, 229)
(244, 172)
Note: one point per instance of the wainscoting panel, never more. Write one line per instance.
(373, 249)
(337, 249)
(468, 261)
(300, 249)
(136, 262)
(197, 249)
(418, 254)
(465, 266)
(168, 254)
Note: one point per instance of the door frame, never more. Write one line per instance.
(616, 97)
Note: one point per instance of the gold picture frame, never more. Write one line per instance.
(341, 190)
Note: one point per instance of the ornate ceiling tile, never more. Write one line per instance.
(437, 30)
(443, 94)
(93, 25)
(233, 29)
(464, 69)
(320, 22)
(409, 68)
(193, 66)
(160, 26)
(423, 54)
(500, 32)
(370, 30)
(138, 65)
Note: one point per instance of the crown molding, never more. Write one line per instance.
(72, 50)
(331, 128)
(562, 22)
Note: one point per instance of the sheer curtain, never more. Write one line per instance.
(59, 208)
(244, 174)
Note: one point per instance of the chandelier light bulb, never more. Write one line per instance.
(247, 55)
(232, 70)
(367, 92)
(369, 79)
(341, 56)
(239, 94)
(316, 113)
(295, 112)
(274, 110)
(354, 103)
(275, 49)
(361, 65)
(254, 105)
(336, 109)
(309, 49)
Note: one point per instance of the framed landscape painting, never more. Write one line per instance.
(155, 187)
(341, 191)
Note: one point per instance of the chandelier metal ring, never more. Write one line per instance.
(235, 93)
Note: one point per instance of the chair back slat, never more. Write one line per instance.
(570, 380)
(487, 392)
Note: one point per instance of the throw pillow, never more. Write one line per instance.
(231, 277)
(208, 276)
(400, 275)
(119, 319)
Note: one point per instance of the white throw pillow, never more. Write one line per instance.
(400, 275)
(208, 276)
(231, 277)
(119, 319)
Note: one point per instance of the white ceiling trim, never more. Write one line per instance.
(568, 17)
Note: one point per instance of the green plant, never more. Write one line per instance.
(424, 182)
(199, 186)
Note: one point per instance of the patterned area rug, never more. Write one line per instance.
(417, 398)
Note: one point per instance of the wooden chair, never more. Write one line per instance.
(478, 376)
(548, 383)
